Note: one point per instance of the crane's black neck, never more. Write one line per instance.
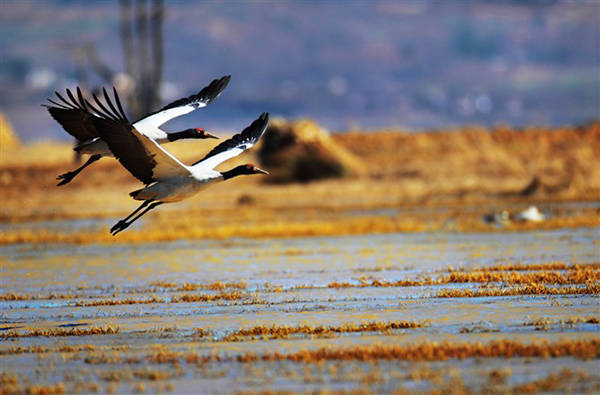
(236, 171)
(184, 134)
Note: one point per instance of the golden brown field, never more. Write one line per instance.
(453, 177)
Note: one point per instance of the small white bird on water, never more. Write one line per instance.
(532, 214)
(77, 120)
(167, 179)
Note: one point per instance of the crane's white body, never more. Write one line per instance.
(178, 188)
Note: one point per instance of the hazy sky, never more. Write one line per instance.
(352, 64)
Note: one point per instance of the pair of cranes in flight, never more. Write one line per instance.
(104, 130)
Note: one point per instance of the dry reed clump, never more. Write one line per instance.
(102, 358)
(153, 375)
(498, 376)
(545, 323)
(576, 275)
(116, 375)
(235, 295)
(531, 289)
(580, 320)
(11, 388)
(505, 267)
(117, 302)
(45, 350)
(7, 379)
(571, 277)
(59, 332)
(555, 382)
(382, 283)
(50, 389)
(164, 355)
(216, 286)
(11, 296)
(183, 298)
(302, 151)
(432, 351)
(201, 332)
(282, 332)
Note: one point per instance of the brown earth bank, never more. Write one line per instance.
(456, 170)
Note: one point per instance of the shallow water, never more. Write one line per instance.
(285, 282)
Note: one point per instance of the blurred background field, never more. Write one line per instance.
(431, 221)
(385, 181)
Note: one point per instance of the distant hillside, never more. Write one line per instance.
(348, 65)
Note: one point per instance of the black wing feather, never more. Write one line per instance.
(73, 117)
(206, 95)
(105, 112)
(81, 99)
(116, 130)
(119, 102)
(126, 147)
(249, 135)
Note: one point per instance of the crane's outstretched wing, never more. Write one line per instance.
(140, 155)
(185, 105)
(73, 115)
(235, 145)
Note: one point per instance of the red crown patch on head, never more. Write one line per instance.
(250, 165)
(199, 129)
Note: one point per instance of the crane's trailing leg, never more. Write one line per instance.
(124, 220)
(124, 224)
(67, 177)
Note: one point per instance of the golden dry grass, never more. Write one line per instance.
(118, 302)
(343, 226)
(500, 161)
(235, 295)
(61, 349)
(11, 296)
(60, 332)
(530, 289)
(546, 323)
(574, 274)
(531, 266)
(452, 169)
(216, 286)
(183, 298)
(431, 351)
(285, 331)
(544, 277)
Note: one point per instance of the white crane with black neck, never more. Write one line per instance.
(167, 179)
(77, 120)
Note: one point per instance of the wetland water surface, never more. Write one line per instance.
(416, 312)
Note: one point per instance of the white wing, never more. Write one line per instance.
(235, 145)
(217, 159)
(149, 126)
(182, 106)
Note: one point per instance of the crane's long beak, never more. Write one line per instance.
(212, 136)
(257, 170)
